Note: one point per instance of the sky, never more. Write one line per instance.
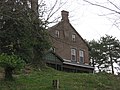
(88, 20)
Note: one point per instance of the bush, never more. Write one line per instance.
(9, 63)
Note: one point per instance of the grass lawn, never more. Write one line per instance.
(42, 80)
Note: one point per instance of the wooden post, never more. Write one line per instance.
(56, 84)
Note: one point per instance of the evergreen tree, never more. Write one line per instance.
(104, 52)
(111, 50)
(96, 56)
(21, 32)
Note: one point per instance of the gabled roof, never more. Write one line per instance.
(79, 35)
(55, 55)
(65, 19)
(73, 29)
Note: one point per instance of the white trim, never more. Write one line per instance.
(65, 60)
(73, 37)
(87, 66)
(57, 33)
(77, 62)
(73, 52)
(81, 54)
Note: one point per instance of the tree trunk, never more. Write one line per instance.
(99, 70)
(93, 62)
(35, 13)
(34, 6)
(8, 73)
(111, 62)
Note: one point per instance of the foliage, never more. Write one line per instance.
(11, 61)
(111, 50)
(42, 80)
(96, 55)
(105, 51)
(20, 32)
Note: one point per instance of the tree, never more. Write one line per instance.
(20, 32)
(111, 49)
(104, 52)
(96, 55)
(50, 10)
(112, 7)
(23, 29)
(37, 13)
(9, 63)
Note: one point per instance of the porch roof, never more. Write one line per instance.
(78, 65)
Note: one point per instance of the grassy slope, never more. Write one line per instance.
(68, 81)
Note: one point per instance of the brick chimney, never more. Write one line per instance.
(65, 15)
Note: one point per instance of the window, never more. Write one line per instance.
(73, 37)
(81, 54)
(54, 49)
(73, 54)
(57, 33)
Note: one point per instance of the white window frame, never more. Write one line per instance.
(57, 33)
(81, 55)
(73, 37)
(73, 53)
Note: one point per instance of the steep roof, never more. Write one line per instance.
(79, 36)
(65, 19)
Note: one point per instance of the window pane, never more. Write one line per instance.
(81, 60)
(57, 33)
(73, 37)
(81, 53)
(73, 54)
(73, 51)
(73, 57)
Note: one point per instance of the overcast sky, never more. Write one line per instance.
(87, 19)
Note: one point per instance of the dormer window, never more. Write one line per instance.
(73, 37)
(57, 33)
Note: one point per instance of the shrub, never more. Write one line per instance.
(9, 63)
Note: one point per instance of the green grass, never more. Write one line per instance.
(42, 80)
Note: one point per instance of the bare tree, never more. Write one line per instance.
(34, 6)
(113, 8)
(40, 8)
(55, 8)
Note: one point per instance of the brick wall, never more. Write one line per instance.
(63, 44)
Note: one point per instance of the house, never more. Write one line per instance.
(69, 48)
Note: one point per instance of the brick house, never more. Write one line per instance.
(69, 46)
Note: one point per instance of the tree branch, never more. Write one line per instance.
(95, 4)
(52, 12)
(113, 4)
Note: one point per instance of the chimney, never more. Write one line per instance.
(65, 15)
